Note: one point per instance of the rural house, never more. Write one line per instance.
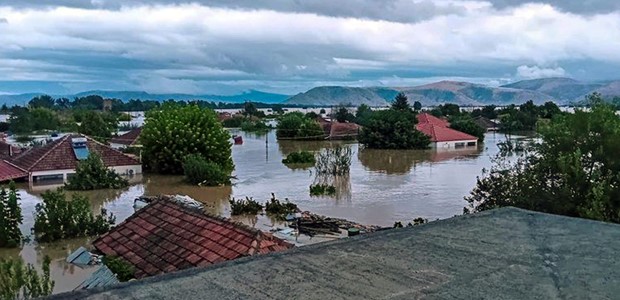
(442, 136)
(172, 234)
(57, 160)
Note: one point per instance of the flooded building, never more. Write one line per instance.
(129, 139)
(441, 135)
(57, 160)
(170, 235)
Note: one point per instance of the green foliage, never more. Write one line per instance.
(467, 125)
(487, 111)
(362, 115)
(322, 190)
(125, 117)
(278, 109)
(392, 129)
(401, 102)
(299, 157)
(123, 270)
(23, 139)
(57, 218)
(312, 115)
(249, 109)
(92, 174)
(10, 217)
(334, 161)
(573, 171)
(549, 110)
(234, 122)
(200, 171)
(245, 206)
(173, 132)
(19, 281)
(24, 121)
(417, 106)
(522, 119)
(43, 101)
(297, 125)
(97, 125)
(280, 209)
(343, 115)
(322, 111)
(254, 126)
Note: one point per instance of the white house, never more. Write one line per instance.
(443, 137)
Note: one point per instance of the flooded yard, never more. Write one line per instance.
(384, 186)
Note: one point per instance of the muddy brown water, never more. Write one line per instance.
(384, 186)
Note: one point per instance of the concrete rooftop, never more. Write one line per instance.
(502, 254)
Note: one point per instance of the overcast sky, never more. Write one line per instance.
(228, 46)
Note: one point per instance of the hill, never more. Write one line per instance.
(335, 95)
(561, 89)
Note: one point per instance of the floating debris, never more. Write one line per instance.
(312, 224)
(100, 278)
(82, 257)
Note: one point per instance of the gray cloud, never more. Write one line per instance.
(3, 20)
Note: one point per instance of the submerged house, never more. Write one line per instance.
(170, 234)
(58, 159)
(441, 135)
(486, 123)
(129, 139)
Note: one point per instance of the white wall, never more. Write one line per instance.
(126, 170)
(451, 144)
(121, 170)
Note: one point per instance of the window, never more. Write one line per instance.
(471, 144)
(459, 145)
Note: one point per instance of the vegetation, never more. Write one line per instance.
(343, 115)
(245, 206)
(572, 171)
(466, 124)
(122, 269)
(234, 122)
(92, 174)
(255, 126)
(58, 218)
(401, 103)
(322, 190)
(98, 125)
(280, 209)
(173, 132)
(334, 161)
(10, 217)
(417, 106)
(391, 129)
(200, 171)
(300, 157)
(297, 126)
(250, 109)
(19, 281)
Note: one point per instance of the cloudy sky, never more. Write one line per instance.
(228, 46)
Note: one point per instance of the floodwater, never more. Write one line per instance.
(384, 186)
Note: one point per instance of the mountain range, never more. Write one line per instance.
(559, 90)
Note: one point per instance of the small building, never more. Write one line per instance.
(442, 136)
(486, 123)
(58, 159)
(343, 131)
(171, 234)
(129, 139)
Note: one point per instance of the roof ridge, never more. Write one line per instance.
(106, 146)
(14, 165)
(44, 155)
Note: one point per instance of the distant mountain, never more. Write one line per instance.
(251, 95)
(610, 89)
(335, 95)
(561, 89)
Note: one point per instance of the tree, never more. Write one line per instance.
(343, 115)
(20, 122)
(549, 110)
(417, 106)
(43, 101)
(173, 132)
(10, 217)
(200, 171)
(362, 115)
(92, 174)
(573, 171)
(401, 102)
(297, 125)
(322, 111)
(19, 281)
(249, 109)
(98, 125)
(467, 125)
(450, 109)
(278, 109)
(393, 129)
(44, 119)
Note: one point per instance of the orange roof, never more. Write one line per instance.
(130, 138)
(443, 134)
(9, 171)
(426, 118)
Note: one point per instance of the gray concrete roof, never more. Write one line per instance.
(502, 254)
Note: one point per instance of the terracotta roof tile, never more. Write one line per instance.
(9, 171)
(426, 118)
(444, 134)
(59, 155)
(193, 238)
(130, 138)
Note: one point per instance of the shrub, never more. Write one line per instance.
(58, 218)
(278, 209)
(245, 206)
(322, 190)
(297, 125)
(10, 217)
(334, 161)
(467, 125)
(92, 174)
(300, 157)
(203, 172)
(123, 270)
(19, 281)
(254, 126)
(233, 122)
(174, 132)
(392, 129)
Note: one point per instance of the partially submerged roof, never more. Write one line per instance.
(130, 138)
(343, 130)
(9, 171)
(60, 155)
(444, 134)
(426, 118)
(168, 235)
(506, 253)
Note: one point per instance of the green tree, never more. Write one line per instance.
(249, 109)
(173, 132)
(549, 110)
(467, 125)
(44, 119)
(10, 217)
(43, 101)
(297, 125)
(98, 125)
(20, 122)
(57, 218)
(573, 171)
(200, 171)
(343, 115)
(362, 115)
(19, 281)
(393, 129)
(450, 109)
(92, 174)
(417, 106)
(401, 102)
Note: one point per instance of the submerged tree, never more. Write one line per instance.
(573, 171)
(19, 281)
(92, 174)
(10, 217)
(392, 129)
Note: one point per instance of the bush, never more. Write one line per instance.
(57, 218)
(467, 125)
(233, 122)
(92, 174)
(391, 129)
(203, 172)
(278, 209)
(19, 281)
(296, 125)
(173, 132)
(254, 126)
(334, 161)
(244, 207)
(322, 190)
(300, 157)
(10, 217)
(123, 270)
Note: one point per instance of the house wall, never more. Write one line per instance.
(128, 170)
(122, 170)
(452, 144)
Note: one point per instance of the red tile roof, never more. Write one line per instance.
(167, 235)
(9, 171)
(426, 118)
(130, 138)
(343, 130)
(443, 134)
(59, 155)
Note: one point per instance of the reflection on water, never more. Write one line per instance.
(383, 186)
